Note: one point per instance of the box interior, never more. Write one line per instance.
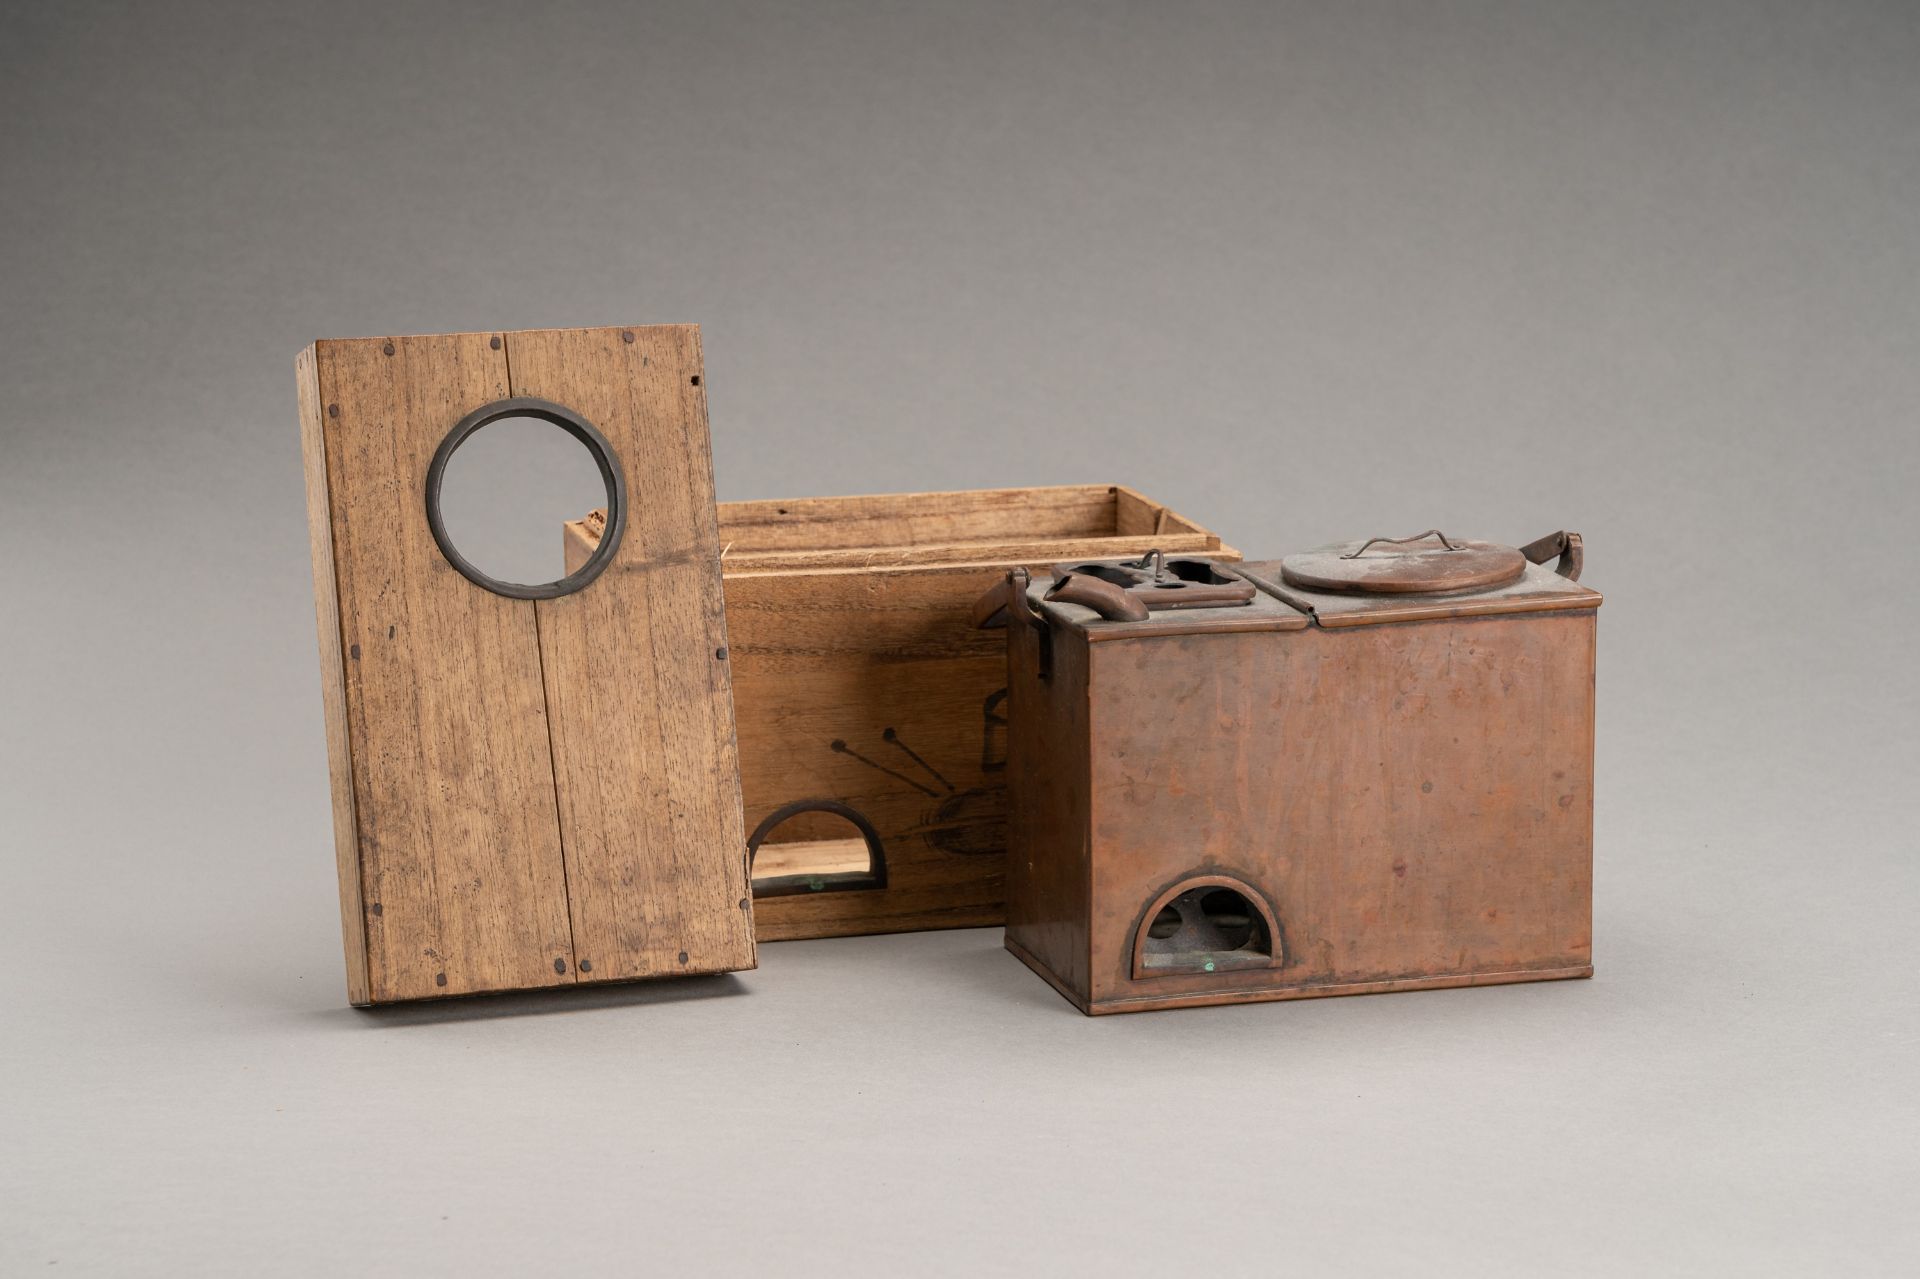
(922, 519)
(1030, 525)
(983, 528)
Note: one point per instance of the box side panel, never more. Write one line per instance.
(875, 691)
(446, 718)
(1048, 882)
(636, 669)
(1033, 551)
(577, 540)
(1414, 800)
(916, 519)
(333, 690)
(1136, 514)
(1035, 527)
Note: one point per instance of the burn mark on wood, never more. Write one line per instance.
(840, 746)
(993, 735)
(889, 735)
(970, 824)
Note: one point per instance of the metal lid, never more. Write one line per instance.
(1429, 563)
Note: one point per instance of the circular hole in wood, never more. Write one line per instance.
(503, 484)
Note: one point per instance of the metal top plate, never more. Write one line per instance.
(1427, 564)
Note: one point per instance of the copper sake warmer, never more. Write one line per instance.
(1364, 768)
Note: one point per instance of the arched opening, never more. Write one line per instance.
(1206, 924)
(828, 847)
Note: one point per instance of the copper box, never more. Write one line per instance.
(1369, 768)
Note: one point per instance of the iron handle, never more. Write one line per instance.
(1563, 544)
(1113, 603)
(1402, 541)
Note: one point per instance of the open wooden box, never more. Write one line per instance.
(871, 714)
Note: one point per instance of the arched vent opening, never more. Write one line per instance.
(829, 847)
(1206, 925)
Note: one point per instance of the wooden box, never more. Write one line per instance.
(871, 713)
(1330, 788)
(507, 814)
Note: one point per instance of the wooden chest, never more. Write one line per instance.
(1372, 772)
(871, 713)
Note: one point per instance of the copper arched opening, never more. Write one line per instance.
(1207, 924)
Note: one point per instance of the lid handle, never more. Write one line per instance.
(1402, 541)
(1567, 546)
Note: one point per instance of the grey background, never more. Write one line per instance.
(1306, 271)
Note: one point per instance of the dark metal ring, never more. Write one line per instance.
(580, 429)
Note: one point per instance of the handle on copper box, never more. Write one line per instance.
(1566, 545)
(1114, 603)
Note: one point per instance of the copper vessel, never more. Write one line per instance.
(1359, 769)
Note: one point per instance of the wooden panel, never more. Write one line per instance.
(874, 690)
(452, 799)
(1163, 519)
(642, 730)
(333, 689)
(812, 857)
(581, 536)
(1048, 871)
(1135, 516)
(908, 519)
(1033, 551)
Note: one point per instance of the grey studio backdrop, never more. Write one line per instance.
(1306, 272)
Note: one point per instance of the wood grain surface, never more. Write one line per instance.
(638, 692)
(858, 677)
(456, 704)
